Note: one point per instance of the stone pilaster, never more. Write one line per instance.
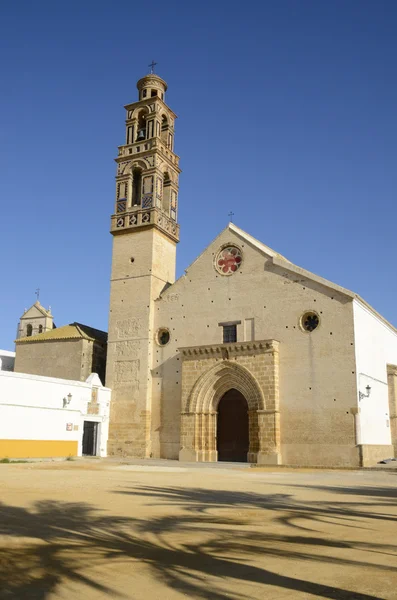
(392, 385)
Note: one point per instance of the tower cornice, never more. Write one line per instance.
(147, 102)
(157, 147)
(141, 218)
(151, 79)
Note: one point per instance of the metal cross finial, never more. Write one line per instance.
(152, 65)
(231, 215)
(37, 292)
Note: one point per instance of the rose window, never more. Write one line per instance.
(228, 260)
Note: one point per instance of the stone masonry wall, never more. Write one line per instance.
(208, 372)
(63, 359)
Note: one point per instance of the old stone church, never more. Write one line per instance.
(246, 356)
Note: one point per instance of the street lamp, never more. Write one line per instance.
(361, 395)
(67, 400)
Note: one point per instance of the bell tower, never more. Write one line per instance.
(145, 233)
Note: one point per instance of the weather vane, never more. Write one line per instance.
(152, 65)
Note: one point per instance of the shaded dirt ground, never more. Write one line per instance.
(99, 529)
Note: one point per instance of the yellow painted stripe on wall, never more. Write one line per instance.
(37, 448)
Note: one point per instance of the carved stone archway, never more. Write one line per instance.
(208, 372)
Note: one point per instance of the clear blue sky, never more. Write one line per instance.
(287, 117)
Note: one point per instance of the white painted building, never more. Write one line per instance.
(376, 360)
(48, 417)
(7, 360)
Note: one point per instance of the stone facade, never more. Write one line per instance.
(208, 372)
(63, 359)
(267, 298)
(294, 356)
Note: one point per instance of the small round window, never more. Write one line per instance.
(310, 321)
(163, 337)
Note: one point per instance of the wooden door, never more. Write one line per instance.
(232, 427)
(90, 438)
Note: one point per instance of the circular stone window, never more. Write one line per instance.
(163, 336)
(228, 260)
(310, 321)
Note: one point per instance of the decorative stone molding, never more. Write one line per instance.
(228, 259)
(232, 349)
(208, 372)
(143, 217)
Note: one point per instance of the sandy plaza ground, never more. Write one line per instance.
(167, 530)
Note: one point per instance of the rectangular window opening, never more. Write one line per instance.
(229, 334)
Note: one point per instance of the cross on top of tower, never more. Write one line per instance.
(152, 65)
(37, 292)
(231, 215)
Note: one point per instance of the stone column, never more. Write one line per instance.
(129, 191)
(205, 437)
(199, 436)
(357, 424)
(253, 427)
(392, 388)
(212, 455)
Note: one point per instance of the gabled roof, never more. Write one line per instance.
(92, 333)
(247, 238)
(280, 261)
(39, 308)
(253, 241)
(74, 331)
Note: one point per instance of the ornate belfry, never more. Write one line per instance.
(147, 167)
(145, 233)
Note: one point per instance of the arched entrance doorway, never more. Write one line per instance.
(232, 427)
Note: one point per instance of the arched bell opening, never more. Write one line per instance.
(232, 437)
(164, 129)
(136, 187)
(141, 126)
(166, 192)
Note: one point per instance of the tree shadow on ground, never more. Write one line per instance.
(190, 550)
(388, 494)
(288, 510)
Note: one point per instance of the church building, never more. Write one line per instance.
(72, 351)
(246, 357)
